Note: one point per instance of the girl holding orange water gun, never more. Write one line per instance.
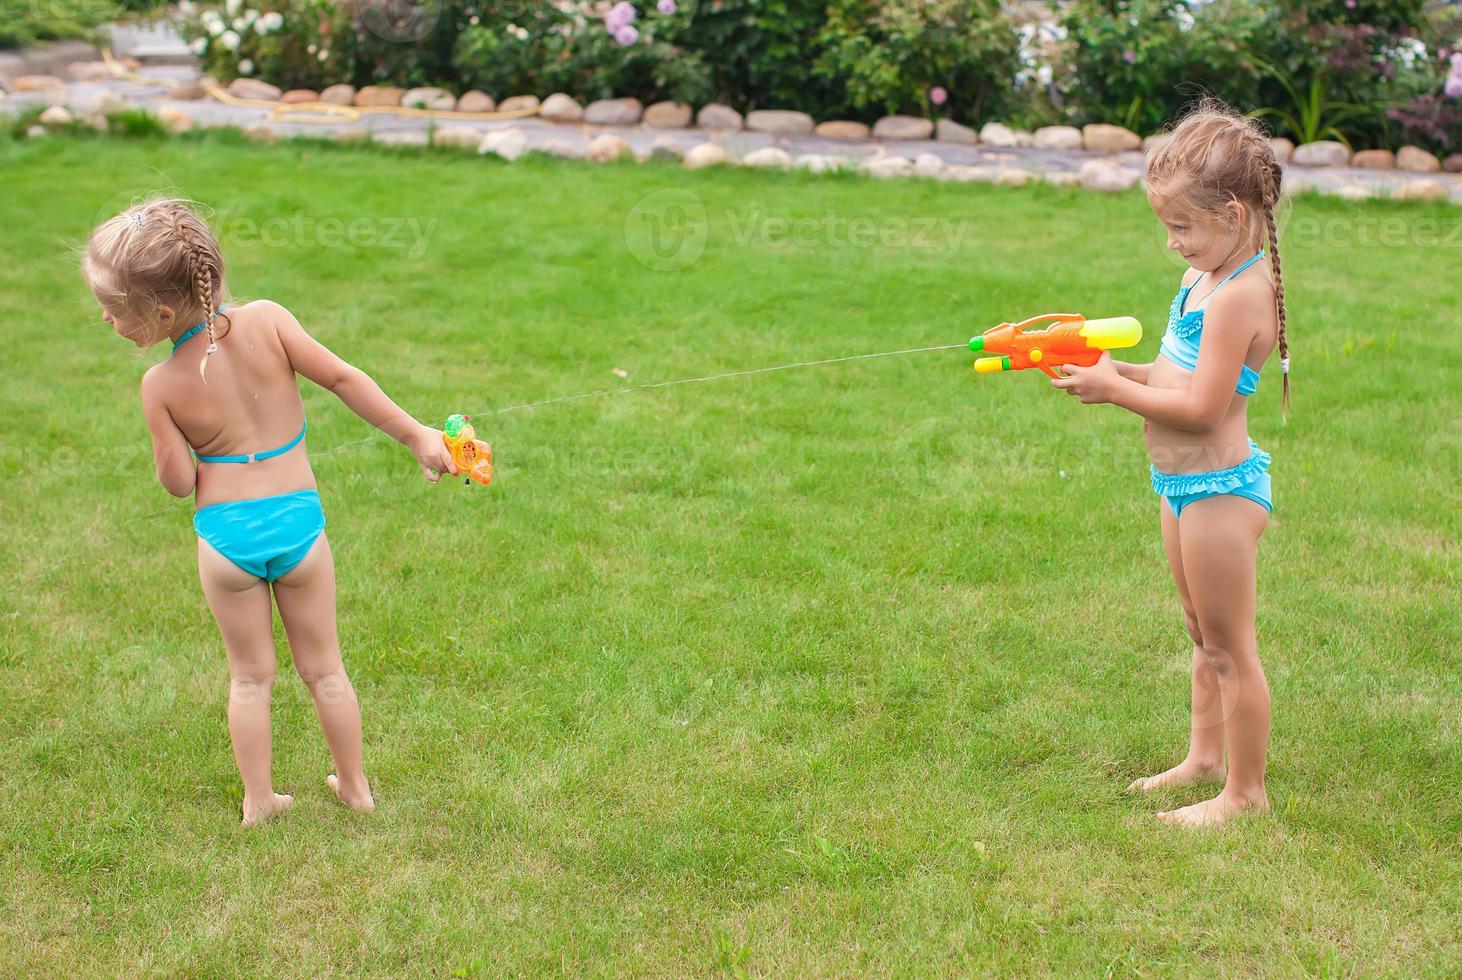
(1214, 185)
(228, 392)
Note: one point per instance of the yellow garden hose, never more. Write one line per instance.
(325, 111)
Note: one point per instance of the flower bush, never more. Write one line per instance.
(1373, 72)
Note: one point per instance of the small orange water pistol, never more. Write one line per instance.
(472, 456)
(1071, 339)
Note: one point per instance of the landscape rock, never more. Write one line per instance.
(928, 165)
(1283, 149)
(338, 95)
(1101, 175)
(666, 147)
(476, 101)
(613, 112)
(999, 134)
(768, 157)
(435, 99)
(780, 122)
(886, 167)
(507, 143)
(667, 115)
(261, 133)
(1057, 138)
(378, 96)
(1106, 138)
(56, 117)
(903, 128)
(462, 137)
(704, 155)
(1453, 164)
(606, 148)
(842, 129)
(1421, 190)
(1321, 153)
(519, 103)
(253, 88)
(89, 71)
(1374, 160)
(562, 149)
(1415, 160)
(298, 96)
(37, 83)
(718, 116)
(949, 131)
(561, 108)
(175, 120)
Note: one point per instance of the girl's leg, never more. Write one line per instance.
(1220, 541)
(306, 599)
(240, 604)
(1205, 737)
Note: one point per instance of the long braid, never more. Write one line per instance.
(202, 272)
(1270, 203)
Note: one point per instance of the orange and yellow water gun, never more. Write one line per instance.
(472, 456)
(1071, 339)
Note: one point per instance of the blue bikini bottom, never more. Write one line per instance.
(265, 536)
(1250, 479)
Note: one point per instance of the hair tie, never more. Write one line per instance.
(1284, 365)
(137, 220)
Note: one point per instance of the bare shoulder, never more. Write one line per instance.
(1191, 276)
(1244, 305)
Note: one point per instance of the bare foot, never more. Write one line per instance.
(257, 813)
(1221, 808)
(357, 798)
(1184, 773)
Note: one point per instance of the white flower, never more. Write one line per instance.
(240, 24)
(229, 40)
(311, 49)
(186, 7)
(324, 53)
(270, 22)
(246, 67)
(198, 45)
(1184, 17)
(231, 7)
(1043, 75)
(212, 23)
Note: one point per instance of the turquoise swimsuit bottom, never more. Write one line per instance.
(265, 536)
(1249, 479)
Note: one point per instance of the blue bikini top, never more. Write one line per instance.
(249, 457)
(1185, 332)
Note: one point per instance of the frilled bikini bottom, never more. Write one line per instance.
(1250, 479)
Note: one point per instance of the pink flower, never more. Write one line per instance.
(1453, 88)
(620, 15)
(938, 96)
(1349, 4)
(666, 7)
(626, 35)
(1129, 56)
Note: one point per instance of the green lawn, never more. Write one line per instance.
(829, 671)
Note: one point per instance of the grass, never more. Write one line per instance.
(828, 671)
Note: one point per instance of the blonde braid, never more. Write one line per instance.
(202, 272)
(1270, 203)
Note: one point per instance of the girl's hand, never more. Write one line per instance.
(1093, 385)
(431, 452)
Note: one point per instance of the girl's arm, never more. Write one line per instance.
(360, 393)
(1202, 407)
(1133, 372)
(176, 469)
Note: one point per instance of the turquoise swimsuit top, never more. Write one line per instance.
(1185, 332)
(248, 457)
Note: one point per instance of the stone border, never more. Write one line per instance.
(1098, 157)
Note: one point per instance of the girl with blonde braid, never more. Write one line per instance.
(1214, 184)
(230, 396)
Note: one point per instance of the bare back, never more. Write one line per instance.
(249, 403)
